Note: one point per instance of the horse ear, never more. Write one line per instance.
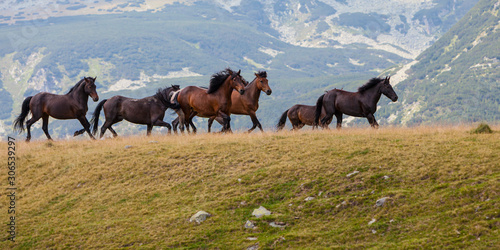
(239, 71)
(257, 75)
(95, 78)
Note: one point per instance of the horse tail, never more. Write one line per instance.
(19, 122)
(94, 122)
(281, 123)
(317, 113)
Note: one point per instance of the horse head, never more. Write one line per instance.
(262, 83)
(387, 89)
(237, 82)
(90, 88)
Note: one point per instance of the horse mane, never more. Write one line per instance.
(370, 84)
(162, 95)
(76, 86)
(218, 79)
(262, 74)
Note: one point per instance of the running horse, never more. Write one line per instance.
(300, 115)
(359, 104)
(147, 111)
(72, 105)
(212, 102)
(245, 104)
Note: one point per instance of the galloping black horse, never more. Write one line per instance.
(72, 105)
(360, 104)
(149, 111)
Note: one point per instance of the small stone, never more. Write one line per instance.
(320, 193)
(290, 204)
(353, 173)
(79, 184)
(386, 177)
(310, 198)
(199, 217)
(261, 211)
(153, 141)
(128, 146)
(380, 202)
(239, 179)
(252, 238)
(372, 221)
(391, 221)
(277, 224)
(372, 192)
(374, 231)
(253, 247)
(243, 203)
(249, 225)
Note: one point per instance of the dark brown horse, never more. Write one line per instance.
(216, 101)
(148, 111)
(359, 104)
(72, 105)
(246, 104)
(300, 115)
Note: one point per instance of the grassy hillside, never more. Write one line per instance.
(442, 183)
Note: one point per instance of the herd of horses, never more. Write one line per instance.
(228, 93)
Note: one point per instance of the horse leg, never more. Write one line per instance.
(45, 126)
(107, 125)
(255, 122)
(35, 116)
(372, 121)
(175, 123)
(210, 121)
(113, 131)
(86, 125)
(226, 121)
(79, 132)
(193, 114)
(161, 123)
(192, 126)
(150, 127)
(330, 111)
(182, 120)
(339, 120)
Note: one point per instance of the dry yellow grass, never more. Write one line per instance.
(443, 190)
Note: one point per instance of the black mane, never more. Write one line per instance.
(218, 79)
(76, 86)
(162, 95)
(262, 74)
(370, 84)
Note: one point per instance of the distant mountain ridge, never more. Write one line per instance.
(306, 46)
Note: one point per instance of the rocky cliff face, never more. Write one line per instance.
(402, 27)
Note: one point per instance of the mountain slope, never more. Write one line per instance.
(458, 78)
(138, 47)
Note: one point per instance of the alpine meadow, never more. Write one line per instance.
(250, 124)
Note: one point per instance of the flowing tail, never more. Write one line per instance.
(317, 113)
(281, 123)
(19, 122)
(94, 122)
